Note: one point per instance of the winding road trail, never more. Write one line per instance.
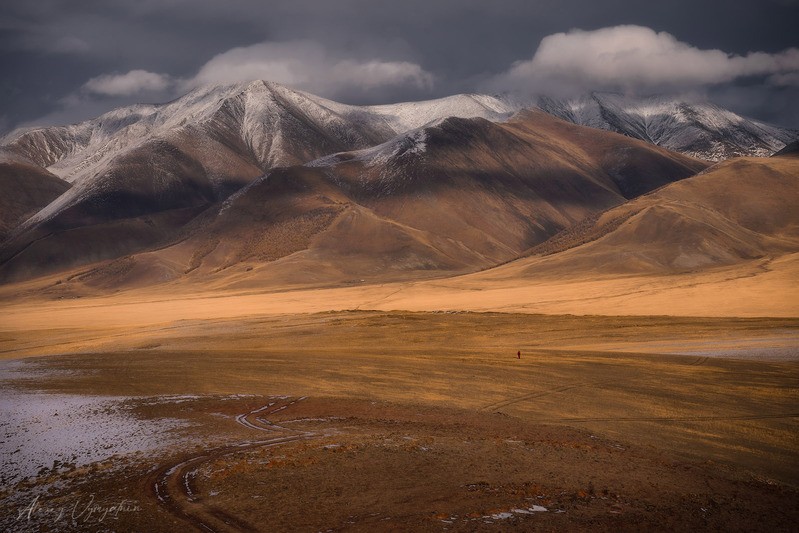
(174, 485)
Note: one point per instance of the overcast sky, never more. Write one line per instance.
(65, 61)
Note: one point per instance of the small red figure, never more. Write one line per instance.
(519, 354)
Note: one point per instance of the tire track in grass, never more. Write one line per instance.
(540, 394)
(174, 485)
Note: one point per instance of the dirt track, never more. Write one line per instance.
(174, 487)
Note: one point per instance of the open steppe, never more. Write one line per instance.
(331, 409)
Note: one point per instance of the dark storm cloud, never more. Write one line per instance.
(65, 61)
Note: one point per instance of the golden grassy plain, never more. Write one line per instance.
(427, 420)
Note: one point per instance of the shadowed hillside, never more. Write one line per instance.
(25, 188)
(737, 210)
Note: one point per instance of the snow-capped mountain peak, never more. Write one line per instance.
(701, 130)
(214, 140)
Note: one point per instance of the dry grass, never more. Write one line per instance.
(586, 372)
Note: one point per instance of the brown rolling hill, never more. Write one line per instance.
(738, 210)
(25, 188)
(456, 196)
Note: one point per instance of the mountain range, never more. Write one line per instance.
(256, 183)
(702, 130)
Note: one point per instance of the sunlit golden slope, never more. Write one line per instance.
(738, 210)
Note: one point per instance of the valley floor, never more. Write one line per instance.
(405, 407)
(759, 288)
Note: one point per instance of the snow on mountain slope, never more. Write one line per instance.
(274, 122)
(257, 112)
(208, 143)
(390, 161)
(139, 162)
(701, 130)
(406, 116)
(264, 113)
(456, 195)
(186, 155)
(229, 132)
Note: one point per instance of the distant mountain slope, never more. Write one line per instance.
(214, 181)
(454, 196)
(200, 148)
(209, 143)
(701, 130)
(25, 188)
(267, 122)
(195, 150)
(735, 211)
(145, 161)
(791, 149)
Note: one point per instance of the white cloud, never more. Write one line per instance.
(129, 84)
(300, 64)
(307, 65)
(375, 74)
(636, 58)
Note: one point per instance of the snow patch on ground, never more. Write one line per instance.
(500, 515)
(41, 433)
(504, 515)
